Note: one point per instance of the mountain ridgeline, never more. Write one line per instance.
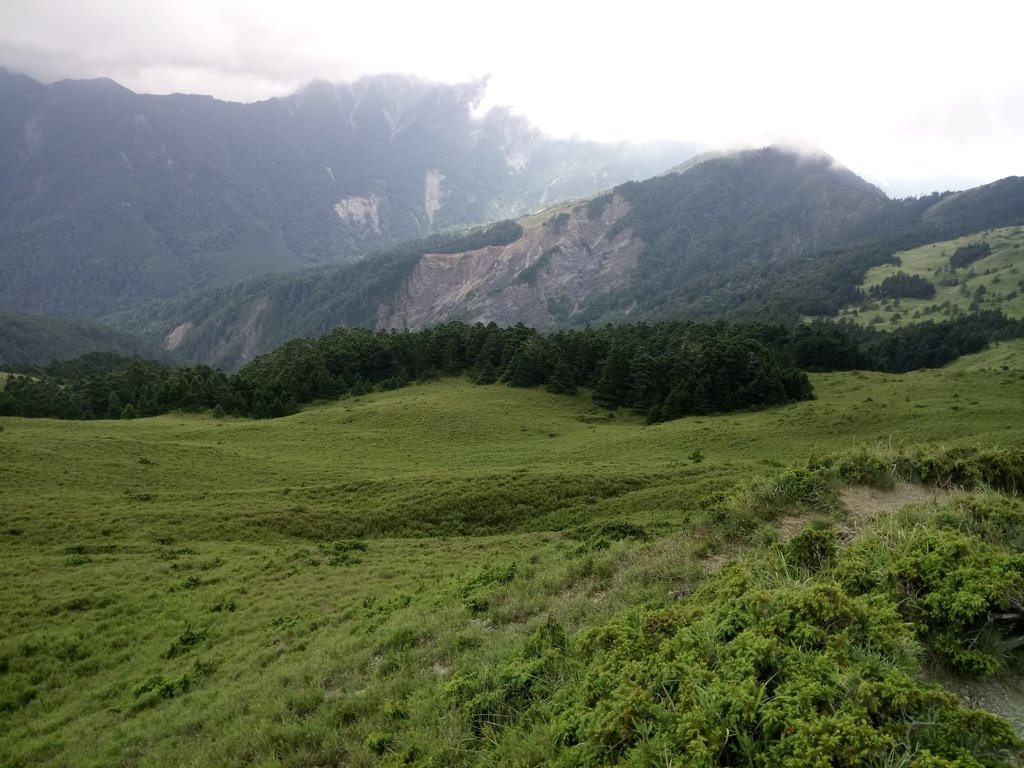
(109, 198)
(218, 231)
(762, 234)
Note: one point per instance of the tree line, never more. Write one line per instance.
(662, 371)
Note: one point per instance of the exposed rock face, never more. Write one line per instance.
(540, 280)
(173, 339)
(433, 194)
(364, 211)
(247, 335)
(238, 340)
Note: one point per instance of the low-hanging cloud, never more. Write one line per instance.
(888, 89)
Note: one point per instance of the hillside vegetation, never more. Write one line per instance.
(450, 574)
(663, 371)
(35, 340)
(110, 198)
(758, 235)
(993, 280)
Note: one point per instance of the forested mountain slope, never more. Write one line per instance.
(109, 198)
(767, 233)
(35, 340)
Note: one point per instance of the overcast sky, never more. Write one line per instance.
(912, 95)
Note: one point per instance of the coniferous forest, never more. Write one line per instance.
(661, 371)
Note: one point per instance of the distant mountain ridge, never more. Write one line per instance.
(109, 198)
(760, 234)
(34, 340)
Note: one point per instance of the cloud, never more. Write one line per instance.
(875, 84)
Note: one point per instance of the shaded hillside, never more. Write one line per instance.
(229, 326)
(724, 221)
(34, 340)
(109, 198)
(754, 235)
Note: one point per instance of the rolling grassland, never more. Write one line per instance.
(323, 589)
(992, 282)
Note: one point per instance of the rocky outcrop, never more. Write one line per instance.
(433, 194)
(544, 278)
(360, 211)
(173, 339)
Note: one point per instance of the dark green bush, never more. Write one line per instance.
(966, 255)
(748, 671)
(955, 589)
(805, 650)
(186, 642)
(812, 549)
(477, 591)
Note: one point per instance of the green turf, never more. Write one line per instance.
(191, 591)
(1001, 355)
(999, 276)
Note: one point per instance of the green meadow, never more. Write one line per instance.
(185, 590)
(993, 282)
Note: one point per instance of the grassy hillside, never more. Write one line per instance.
(992, 282)
(311, 590)
(1002, 355)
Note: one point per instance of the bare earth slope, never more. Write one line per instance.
(573, 255)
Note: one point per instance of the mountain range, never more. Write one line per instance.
(218, 231)
(109, 198)
(759, 234)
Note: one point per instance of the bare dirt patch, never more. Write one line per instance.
(789, 526)
(863, 503)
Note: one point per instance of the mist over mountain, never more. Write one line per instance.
(218, 230)
(109, 198)
(760, 234)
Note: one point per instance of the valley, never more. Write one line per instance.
(402, 434)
